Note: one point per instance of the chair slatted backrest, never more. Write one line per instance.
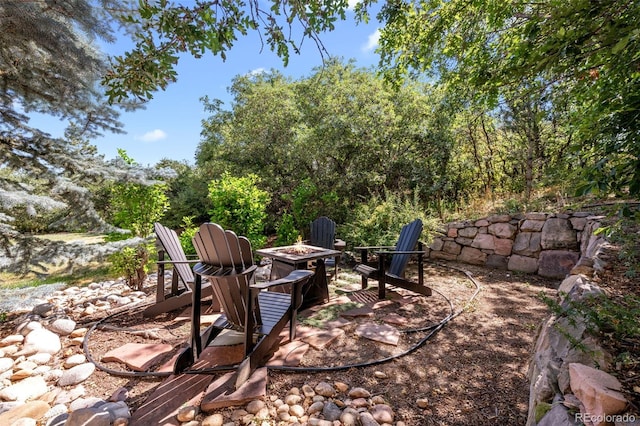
(226, 250)
(171, 245)
(409, 236)
(323, 232)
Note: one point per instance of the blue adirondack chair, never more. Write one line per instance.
(400, 254)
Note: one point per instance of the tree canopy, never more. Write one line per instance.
(582, 55)
(578, 55)
(50, 64)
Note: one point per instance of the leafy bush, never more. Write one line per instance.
(186, 236)
(132, 264)
(307, 203)
(239, 205)
(137, 207)
(287, 232)
(378, 221)
(117, 236)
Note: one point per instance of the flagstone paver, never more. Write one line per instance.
(379, 332)
(221, 393)
(137, 356)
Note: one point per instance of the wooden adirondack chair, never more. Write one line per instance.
(400, 253)
(323, 234)
(182, 279)
(227, 261)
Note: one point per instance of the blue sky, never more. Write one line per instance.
(170, 125)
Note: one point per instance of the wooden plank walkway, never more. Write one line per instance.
(177, 391)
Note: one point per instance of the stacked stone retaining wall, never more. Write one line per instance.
(547, 244)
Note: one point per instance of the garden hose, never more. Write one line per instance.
(432, 329)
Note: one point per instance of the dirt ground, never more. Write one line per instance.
(473, 371)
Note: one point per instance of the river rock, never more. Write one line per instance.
(63, 326)
(6, 364)
(41, 341)
(33, 410)
(76, 374)
(325, 389)
(74, 360)
(29, 388)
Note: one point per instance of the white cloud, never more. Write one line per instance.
(152, 136)
(257, 71)
(352, 4)
(372, 41)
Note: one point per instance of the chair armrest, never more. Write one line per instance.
(400, 252)
(294, 277)
(169, 262)
(339, 244)
(374, 247)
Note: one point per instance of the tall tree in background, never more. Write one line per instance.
(50, 64)
(339, 133)
(585, 53)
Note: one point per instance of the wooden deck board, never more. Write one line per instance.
(163, 404)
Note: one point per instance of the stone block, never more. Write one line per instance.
(502, 230)
(503, 246)
(468, 232)
(531, 225)
(436, 244)
(451, 247)
(472, 256)
(452, 232)
(578, 223)
(497, 262)
(598, 391)
(525, 264)
(535, 216)
(443, 256)
(464, 241)
(556, 263)
(558, 234)
(527, 244)
(483, 241)
(559, 415)
(481, 222)
(499, 218)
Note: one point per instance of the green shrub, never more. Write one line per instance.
(287, 232)
(308, 202)
(132, 264)
(239, 205)
(186, 236)
(378, 221)
(137, 207)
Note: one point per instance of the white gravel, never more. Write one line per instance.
(24, 299)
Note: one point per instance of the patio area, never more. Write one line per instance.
(354, 339)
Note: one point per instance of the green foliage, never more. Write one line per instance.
(169, 29)
(239, 205)
(577, 58)
(379, 221)
(542, 408)
(624, 233)
(286, 231)
(186, 236)
(117, 236)
(325, 142)
(137, 206)
(615, 318)
(187, 193)
(132, 264)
